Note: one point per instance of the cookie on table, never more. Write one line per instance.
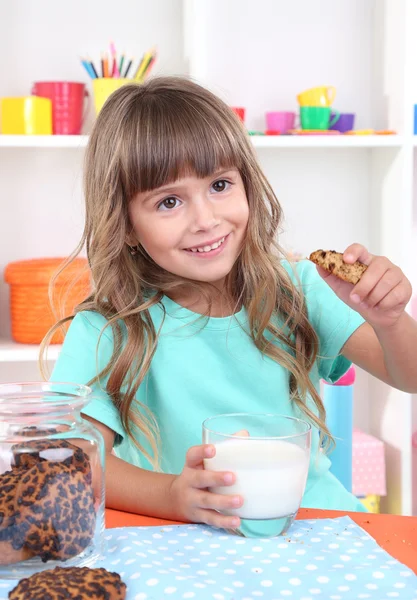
(333, 262)
(73, 583)
(12, 544)
(55, 514)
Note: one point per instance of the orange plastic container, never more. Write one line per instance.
(30, 307)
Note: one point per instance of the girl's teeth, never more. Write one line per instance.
(208, 248)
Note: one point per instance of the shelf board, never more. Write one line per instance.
(259, 141)
(43, 141)
(327, 141)
(13, 352)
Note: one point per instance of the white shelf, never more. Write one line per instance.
(43, 141)
(13, 352)
(327, 141)
(259, 141)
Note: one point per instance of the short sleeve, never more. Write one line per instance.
(81, 359)
(333, 321)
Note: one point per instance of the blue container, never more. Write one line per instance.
(338, 401)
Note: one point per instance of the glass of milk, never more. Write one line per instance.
(269, 455)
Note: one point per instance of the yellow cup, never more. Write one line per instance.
(103, 87)
(319, 96)
(27, 115)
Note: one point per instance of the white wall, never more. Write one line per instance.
(277, 48)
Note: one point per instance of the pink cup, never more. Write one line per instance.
(281, 121)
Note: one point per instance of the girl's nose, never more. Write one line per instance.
(204, 217)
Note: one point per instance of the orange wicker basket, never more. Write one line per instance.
(30, 308)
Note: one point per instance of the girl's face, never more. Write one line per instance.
(193, 227)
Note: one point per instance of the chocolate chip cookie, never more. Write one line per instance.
(73, 583)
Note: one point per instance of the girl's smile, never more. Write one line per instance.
(209, 249)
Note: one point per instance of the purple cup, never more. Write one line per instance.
(344, 123)
(281, 121)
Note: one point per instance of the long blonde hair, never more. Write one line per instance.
(147, 136)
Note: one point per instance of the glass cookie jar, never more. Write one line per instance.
(51, 479)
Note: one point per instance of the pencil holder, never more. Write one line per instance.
(103, 87)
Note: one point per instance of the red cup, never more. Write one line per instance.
(240, 111)
(67, 104)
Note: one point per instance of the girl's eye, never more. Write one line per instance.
(221, 185)
(168, 203)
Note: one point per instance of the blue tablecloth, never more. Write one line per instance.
(326, 559)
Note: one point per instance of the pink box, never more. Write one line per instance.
(368, 463)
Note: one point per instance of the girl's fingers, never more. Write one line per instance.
(215, 519)
(356, 252)
(196, 454)
(384, 286)
(201, 479)
(374, 273)
(397, 297)
(209, 500)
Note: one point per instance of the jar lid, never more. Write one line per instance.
(39, 271)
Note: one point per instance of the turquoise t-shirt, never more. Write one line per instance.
(206, 367)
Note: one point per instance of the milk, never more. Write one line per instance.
(270, 476)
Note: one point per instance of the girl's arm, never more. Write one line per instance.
(386, 345)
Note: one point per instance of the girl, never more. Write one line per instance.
(194, 312)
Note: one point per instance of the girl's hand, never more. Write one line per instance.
(190, 496)
(382, 293)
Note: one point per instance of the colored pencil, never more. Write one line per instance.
(142, 75)
(142, 66)
(139, 66)
(122, 60)
(128, 67)
(106, 65)
(90, 62)
(102, 65)
(149, 67)
(87, 67)
(115, 70)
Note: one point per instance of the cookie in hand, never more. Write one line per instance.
(333, 263)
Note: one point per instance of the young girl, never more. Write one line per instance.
(194, 313)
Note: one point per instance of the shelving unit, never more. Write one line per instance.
(334, 189)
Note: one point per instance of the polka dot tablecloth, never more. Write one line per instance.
(326, 559)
